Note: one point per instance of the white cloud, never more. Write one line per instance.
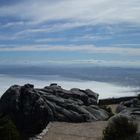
(89, 37)
(74, 48)
(73, 13)
(12, 24)
(89, 11)
(53, 28)
(34, 16)
(46, 40)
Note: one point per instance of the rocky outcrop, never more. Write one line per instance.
(32, 109)
(130, 108)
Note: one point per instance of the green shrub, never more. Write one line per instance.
(8, 130)
(120, 128)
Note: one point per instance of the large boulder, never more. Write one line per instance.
(32, 109)
(26, 107)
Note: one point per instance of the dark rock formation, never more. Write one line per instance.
(130, 108)
(32, 109)
(117, 100)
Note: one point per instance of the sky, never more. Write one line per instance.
(76, 32)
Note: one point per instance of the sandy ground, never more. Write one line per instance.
(75, 131)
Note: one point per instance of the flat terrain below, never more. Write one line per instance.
(75, 131)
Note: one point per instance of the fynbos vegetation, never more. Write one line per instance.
(8, 130)
(120, 128)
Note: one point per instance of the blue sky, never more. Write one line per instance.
(91, 32)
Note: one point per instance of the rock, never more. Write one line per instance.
(130, 108)
(132, 103)
(134, 113)
(119, 108)
(32, 109)
(92, 94)
(26, 108)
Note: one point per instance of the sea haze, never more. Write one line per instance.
(107, 81)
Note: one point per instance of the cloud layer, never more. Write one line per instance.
(106, 29)
(83, 12)
(74, 48)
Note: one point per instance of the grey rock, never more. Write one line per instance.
(130, 108)
(92, 94)
(120, 108)
(134, 113)
(32, 109)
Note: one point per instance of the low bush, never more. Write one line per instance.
(8, 130)
(120, 128)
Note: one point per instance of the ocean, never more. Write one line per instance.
(107, 81)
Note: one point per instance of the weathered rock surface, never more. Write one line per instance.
(130, 108)
(32, 109)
